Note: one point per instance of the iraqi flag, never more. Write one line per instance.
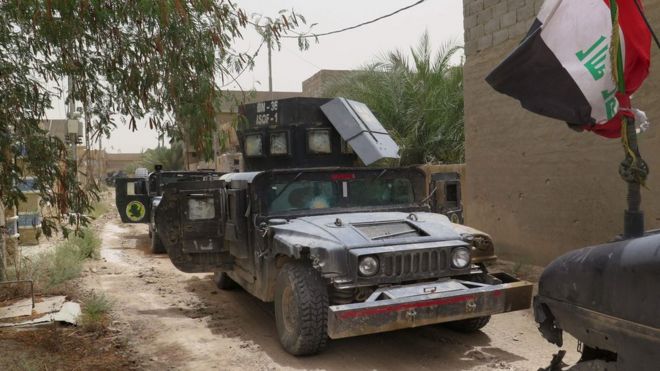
(563, 67)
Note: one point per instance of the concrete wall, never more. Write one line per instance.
(538, 187)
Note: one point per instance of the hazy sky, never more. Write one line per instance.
(347, 50)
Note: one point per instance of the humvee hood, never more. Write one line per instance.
(355, 230)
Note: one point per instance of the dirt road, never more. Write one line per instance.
(182, 321)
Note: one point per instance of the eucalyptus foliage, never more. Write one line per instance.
(163, 62)
(419, 100)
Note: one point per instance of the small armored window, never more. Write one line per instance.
(254, 145)
(451, 192)
(318, 141)
(279, 143)
(201, 208)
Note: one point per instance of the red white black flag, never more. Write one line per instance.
(569, 67)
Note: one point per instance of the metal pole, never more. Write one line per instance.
(270, 66)
(633, 170)
(101, 167)
(71, 116)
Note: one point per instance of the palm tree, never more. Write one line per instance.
(419, 100)
(171, 158)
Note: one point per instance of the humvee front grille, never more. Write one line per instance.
(413, 264)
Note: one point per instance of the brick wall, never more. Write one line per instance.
(490, 23)
(538, 187)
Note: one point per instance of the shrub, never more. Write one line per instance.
(89, 245)
(95, 309)
(98, 209)
(65, 261)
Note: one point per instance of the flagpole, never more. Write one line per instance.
(633, 171)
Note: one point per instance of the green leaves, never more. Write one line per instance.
(418, 99)
(161, 61)
(170, 158)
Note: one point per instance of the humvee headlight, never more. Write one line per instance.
(368, 266)
(460, 257)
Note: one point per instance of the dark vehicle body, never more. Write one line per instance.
(112, 176)
(341, 250)
(227, 225)
(445, 195)
(607, 297)
(137, 198)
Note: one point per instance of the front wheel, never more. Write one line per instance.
(223, 281)
(301, 309)
(469, 325)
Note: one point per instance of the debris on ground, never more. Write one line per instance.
(46, 310)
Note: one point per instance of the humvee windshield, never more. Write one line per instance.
(339, 191)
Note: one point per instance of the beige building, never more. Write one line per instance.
(538, 187)
(120, 161)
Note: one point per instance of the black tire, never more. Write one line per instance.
(468, 325)
(157, 246)
(471, 324)
(301, 309)
(223, 281)
(594, 365)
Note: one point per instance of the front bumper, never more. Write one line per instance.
(429, 303)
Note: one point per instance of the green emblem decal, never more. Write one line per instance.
(135, 211)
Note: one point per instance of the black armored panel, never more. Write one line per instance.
(290, 133)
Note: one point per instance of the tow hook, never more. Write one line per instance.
(470, 306)
(411, 314)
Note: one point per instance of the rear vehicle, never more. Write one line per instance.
(137, 198)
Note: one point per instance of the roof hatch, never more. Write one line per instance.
(358, 126)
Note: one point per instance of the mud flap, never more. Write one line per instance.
(189, 222)
(132, 200)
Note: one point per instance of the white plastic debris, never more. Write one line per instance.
(641, 121)
(53, 309)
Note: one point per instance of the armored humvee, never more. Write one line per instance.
(341, 249)
(137, 198)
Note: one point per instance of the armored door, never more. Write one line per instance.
(446, 199)
(132, 200)
(190, 223)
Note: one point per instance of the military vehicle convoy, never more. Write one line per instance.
(339, 248)
(137, 198)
